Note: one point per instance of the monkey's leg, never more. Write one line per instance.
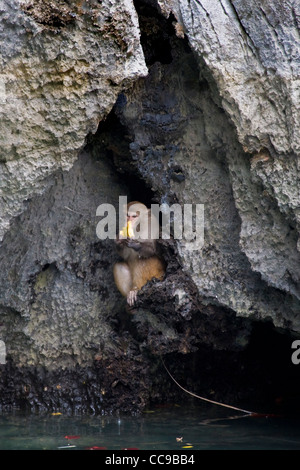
(137, 269)
(122, 277)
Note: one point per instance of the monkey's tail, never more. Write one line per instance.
(206, 399)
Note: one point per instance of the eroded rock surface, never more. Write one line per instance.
(252, 54)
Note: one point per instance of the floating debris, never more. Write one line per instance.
(96, 448)
(69, 446)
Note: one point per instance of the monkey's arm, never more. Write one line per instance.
(121, 245)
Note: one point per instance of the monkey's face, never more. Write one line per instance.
(135, 212)
(137, 220)
(132, 222)
(132, 216)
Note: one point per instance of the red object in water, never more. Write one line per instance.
(96, 448)
(72, 437)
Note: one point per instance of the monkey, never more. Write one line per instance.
(136, 244)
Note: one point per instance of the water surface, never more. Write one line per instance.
(177, 428)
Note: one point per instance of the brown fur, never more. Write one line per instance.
(136, 272)
(145, 269)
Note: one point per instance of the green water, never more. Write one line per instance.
(158, 429)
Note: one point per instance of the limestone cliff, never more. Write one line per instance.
(193, 102)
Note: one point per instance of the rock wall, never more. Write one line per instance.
(251, 52)
(175, 102)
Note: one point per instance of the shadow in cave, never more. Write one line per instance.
(156, 32)
(261, 378)
(112, 142)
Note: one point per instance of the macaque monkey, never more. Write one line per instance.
(136, 244)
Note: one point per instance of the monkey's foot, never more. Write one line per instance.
(131, 297)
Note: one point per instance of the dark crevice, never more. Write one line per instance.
(155, 33)
(112, 142)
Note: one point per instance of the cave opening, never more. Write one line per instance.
(261, 375)
(261, 378)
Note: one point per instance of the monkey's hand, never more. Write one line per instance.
(134, 244)
(121, 241)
